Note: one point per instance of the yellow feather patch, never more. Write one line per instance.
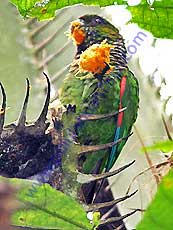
(94, 58)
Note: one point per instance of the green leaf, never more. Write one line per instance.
(45, 9)
(47, 207)
(34, 8)
(159, 213)
(157, 18)
(164, 146)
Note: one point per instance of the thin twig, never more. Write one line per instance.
(154, 172)
(166, 128)
(150, 168)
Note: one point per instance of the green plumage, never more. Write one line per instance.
(93, 96)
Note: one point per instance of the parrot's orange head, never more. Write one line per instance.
(77, 32)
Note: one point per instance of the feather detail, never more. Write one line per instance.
(113, 155)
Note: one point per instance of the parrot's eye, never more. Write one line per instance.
(96, 21)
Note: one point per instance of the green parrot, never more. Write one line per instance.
(103, 90)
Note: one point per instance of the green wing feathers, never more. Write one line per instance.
(79, 92)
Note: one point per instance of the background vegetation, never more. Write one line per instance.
(28, 47)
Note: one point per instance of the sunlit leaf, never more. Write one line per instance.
(157, 18)
(164, 146)
(158, 215)
(43, 206)
(45, 9)
(39, 9)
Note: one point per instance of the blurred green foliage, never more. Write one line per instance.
(43, 206)
(164, 146)
(156, 18)
(159, 213)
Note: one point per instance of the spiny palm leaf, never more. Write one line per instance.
(31, 149)
(43, 57)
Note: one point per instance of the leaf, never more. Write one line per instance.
(45, 9)
(159, 213)
(34, 8)
(47, 207)
(164, 146)
(157, 18)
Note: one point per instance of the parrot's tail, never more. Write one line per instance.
(114, 154)
(110, 161)
(114, 151)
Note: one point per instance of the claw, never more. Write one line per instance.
(95, 207)
(2, 112)
(42, 118)
(22, 118)
(87, 178)
(93, 148)
(91, 117)
(70, 108)
(116, 219)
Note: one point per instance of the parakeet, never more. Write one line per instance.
(100, 83)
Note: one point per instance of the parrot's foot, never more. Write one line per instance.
(70, 108)
(70, 123)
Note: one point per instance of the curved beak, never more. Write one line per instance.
(77, 31)
(77, 24)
